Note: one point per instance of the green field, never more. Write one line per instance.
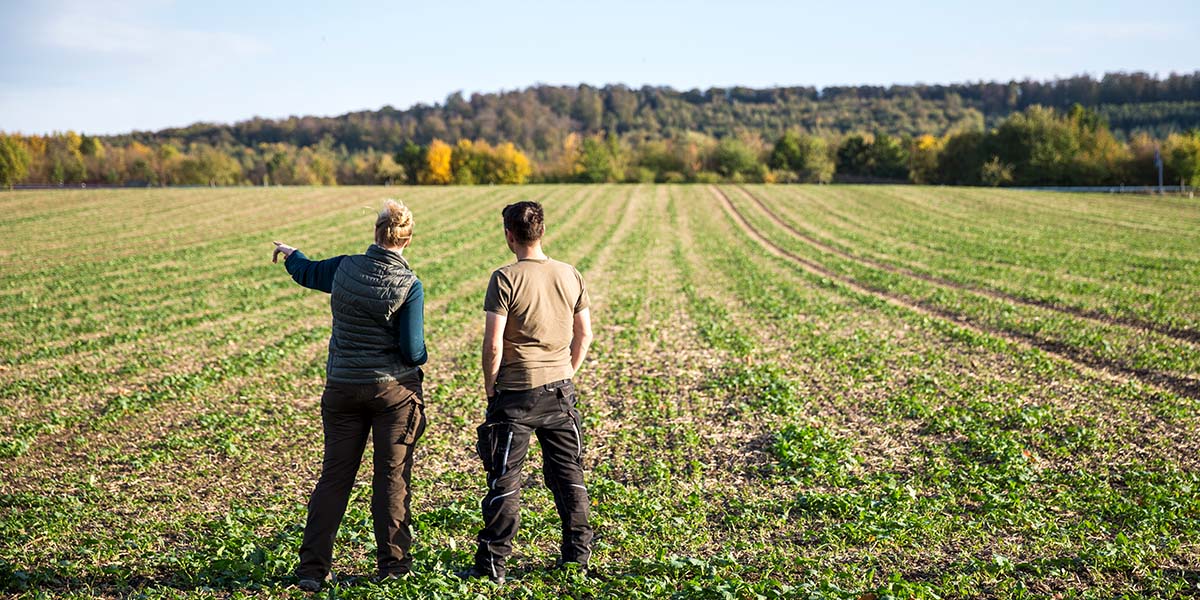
(854, 392)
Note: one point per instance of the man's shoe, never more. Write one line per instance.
(475, 573)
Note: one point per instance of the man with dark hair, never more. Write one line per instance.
(536, 335)
(526, 221)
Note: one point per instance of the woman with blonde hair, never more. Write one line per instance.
(373, 386)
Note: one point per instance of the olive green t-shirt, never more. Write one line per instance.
(540, 298)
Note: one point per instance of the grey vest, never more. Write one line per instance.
(368, 290)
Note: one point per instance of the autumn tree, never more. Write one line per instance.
(139, 164)
(320, 164)
(468, 162)
(63, 158)
(206, 165)
(388, 171)
(14, 161)
(512, 166)
(1181, 153)
(562, 163)
(167, 161)
(436, 170)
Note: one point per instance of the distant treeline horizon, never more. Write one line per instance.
(1166, 105)
(1072, 131)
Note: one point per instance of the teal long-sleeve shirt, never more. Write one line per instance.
(410, 322)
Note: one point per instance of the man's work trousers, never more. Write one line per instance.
(512, 416)
(394, 414)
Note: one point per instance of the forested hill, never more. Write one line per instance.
(1077, 131)
(536, 119)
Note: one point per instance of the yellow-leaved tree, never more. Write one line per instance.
(512, 165)
(436, 169)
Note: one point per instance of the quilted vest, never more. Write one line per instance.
(368, 290)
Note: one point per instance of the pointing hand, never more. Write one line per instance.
(281, 248)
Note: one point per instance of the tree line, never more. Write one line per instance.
(70, 159)
(538, 118)
(1035, 147)
(922, 134)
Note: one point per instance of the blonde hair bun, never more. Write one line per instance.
(394, 224)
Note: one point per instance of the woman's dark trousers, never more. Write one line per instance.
(393, 413)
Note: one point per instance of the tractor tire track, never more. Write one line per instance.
(1085, 363)
(1182, 335)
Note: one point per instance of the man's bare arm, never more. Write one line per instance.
(581, 338)
(493, 345)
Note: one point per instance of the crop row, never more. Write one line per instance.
(998, 240)
(995, 448)
(752, 429)
(1150, 356)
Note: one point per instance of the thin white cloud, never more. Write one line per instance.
(126, 32)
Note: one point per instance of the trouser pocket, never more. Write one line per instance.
(404, 407)
(567, 399)
(415, 423)
(577, 425)
(499, 445)
(483, 445)
(492, 439)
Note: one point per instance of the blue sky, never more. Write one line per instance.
(108, 67)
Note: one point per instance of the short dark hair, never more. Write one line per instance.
(525, 220)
